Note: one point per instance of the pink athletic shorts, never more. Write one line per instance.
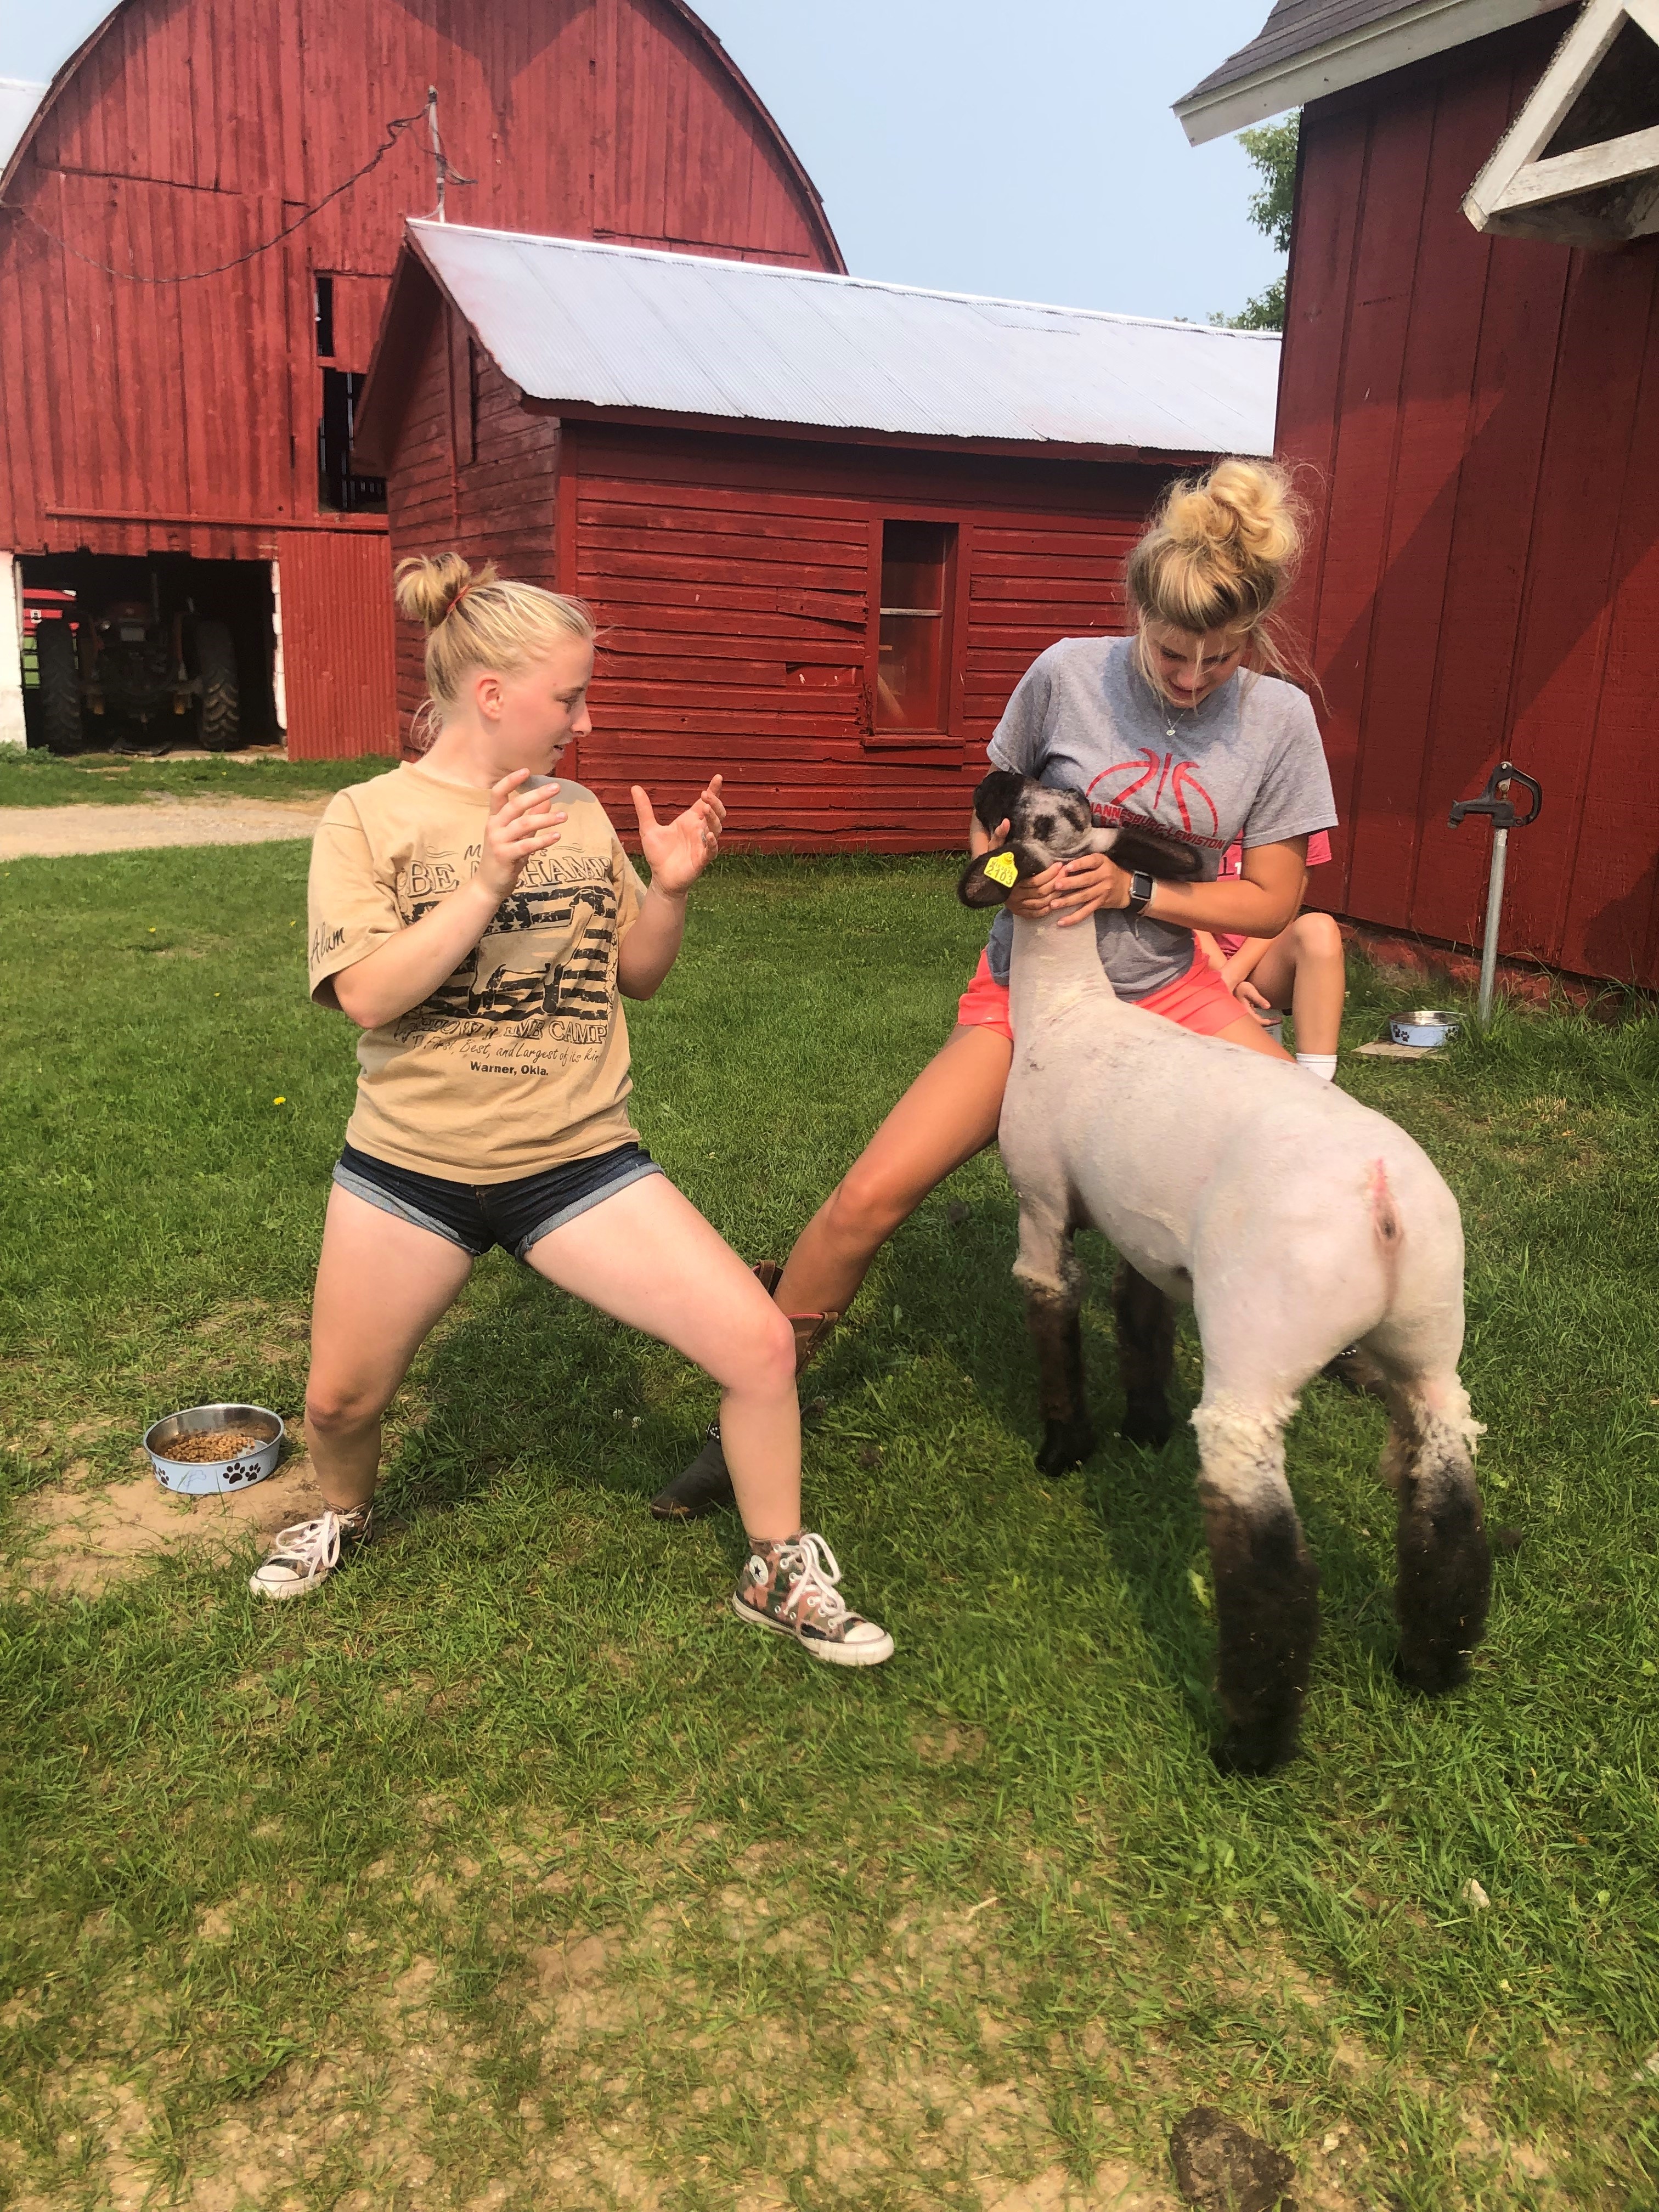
(1198, 1001)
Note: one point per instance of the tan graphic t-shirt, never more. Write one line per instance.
(519, 1061)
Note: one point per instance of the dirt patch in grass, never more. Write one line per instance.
(499, 2043)
(75, 1538)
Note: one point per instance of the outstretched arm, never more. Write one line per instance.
(676, 853)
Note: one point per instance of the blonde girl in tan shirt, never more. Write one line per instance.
(481, 926)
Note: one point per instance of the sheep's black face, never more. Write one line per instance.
(1046, 826)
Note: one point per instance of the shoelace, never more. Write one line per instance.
(812, 1581)
(310, 1544)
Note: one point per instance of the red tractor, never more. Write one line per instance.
(171, 673)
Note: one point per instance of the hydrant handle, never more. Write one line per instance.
(1502, 811)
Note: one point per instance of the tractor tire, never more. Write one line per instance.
(215, 664)
(61, 723)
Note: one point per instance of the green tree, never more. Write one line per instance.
(1272, 148)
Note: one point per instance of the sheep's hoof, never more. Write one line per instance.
(1255, 1751)
(1146, 1419)
(1066, 1444)
(1432, 1673)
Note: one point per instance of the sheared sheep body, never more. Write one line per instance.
(1298, 1222)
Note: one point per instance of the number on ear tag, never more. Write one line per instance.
(1003, 869)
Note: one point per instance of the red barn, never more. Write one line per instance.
(1471, 372)
(197, 231)
(826, 525)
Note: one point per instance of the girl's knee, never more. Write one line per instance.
(761, 1354)
(337, 1410)
(1318, 938)
(869, 1206)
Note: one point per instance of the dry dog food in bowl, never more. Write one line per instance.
(208, 1449)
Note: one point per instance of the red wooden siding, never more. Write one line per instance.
(734, 581)
(185, 416)
(736, 587)
(1480, 419)
(336, 599)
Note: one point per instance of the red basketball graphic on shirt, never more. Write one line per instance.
(1144, 780)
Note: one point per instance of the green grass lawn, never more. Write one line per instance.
(509, 1871)
(41, 779)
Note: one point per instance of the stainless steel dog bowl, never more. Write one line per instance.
(202, 1478)
(1425, 1025)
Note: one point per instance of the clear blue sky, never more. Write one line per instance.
(1025, 149)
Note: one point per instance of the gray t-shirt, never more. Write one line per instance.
(1246, 765)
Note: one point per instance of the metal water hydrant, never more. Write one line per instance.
(1495, 801)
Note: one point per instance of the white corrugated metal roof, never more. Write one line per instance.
(602, 325)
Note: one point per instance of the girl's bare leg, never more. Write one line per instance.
(1305, 968)
(382, 1284)
(648, 1258)
(949, 1113)
(1248, 1031)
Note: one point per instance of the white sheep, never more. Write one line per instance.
(1297, 1222)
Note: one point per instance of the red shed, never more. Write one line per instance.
(197, 231)
(825, 523)
(1471, 370)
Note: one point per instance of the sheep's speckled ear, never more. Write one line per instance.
(978, 887)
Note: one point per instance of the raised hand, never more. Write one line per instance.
(520, 823)
(677, 852)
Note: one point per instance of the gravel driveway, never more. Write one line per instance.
(50, 832)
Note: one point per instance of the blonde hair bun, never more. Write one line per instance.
(1221, 551)
(474, 618)
(427, 585)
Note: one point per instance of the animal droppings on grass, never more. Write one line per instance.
(1472, 1893)
(1220, 2168)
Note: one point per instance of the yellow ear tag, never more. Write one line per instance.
(1003, 869)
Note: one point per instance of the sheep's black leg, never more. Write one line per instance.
(1443, 1563)
(1145, 1354)
(1069, 1435)
(1266, 1587)
(1054, 1282)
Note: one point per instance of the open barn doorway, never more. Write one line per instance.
(147, 653)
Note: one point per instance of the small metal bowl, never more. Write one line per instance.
(203, 1478)
(1427, 1026)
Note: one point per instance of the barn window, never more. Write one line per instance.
(322, 309)
(913, 649)
(338, 492)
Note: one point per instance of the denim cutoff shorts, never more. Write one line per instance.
(478, 1215)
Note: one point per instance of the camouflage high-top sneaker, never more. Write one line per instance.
(790, 1587)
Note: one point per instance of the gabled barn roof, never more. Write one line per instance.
(621, 330)
(1307, 48)
(23, 105)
